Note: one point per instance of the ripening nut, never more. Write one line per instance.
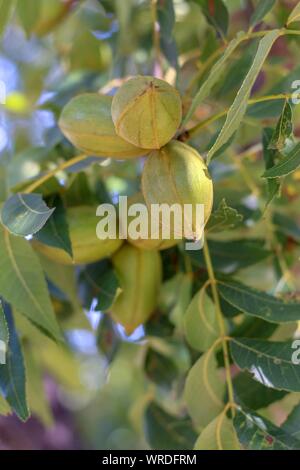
(153, 239)
(146, 111)
(86, 246)
(86, 121)
(140, 274)
(177, 174)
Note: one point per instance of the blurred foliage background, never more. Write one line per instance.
(96, 390)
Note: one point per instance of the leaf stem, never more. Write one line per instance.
(49, 174)
(220, 421)
(217, 52)
(246, 37)
(221, 322)
(198, 127)
(242, 38)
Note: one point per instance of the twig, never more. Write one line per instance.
(223, 337)
(257, 34)
(49, 174)
(189, 133)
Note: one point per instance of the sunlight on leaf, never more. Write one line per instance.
(25, 214)
(269, 362)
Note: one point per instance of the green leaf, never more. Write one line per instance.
(102, 194)
(25, 214)
(269, 155)
(284, 128)
(12, 373)
(200, 322)
(216, 14)
(62, 276)
(232, 255)
(166, 19)
(253, 327)
(203, 381)
(224, 218)
(254, 395)
(218, 435)
(166, 16)
(22, 283)
(292, 423)
(258, 303)
(238, 108)
(269, 362)
(169, 48)
(56, 230)
(99, 281)
(213, 77)
(261, 10)
(210, 44)
(257, 433)
(236, 72)
(167, 432)
(79, 190)
(6, 10)
(28, 11)
(290, 163)
(64, 281)
(224, 147)
(294, 15)
(228, 310)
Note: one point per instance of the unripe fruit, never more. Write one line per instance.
(86, 122)
(146, 112)
(177, 174)
(147, 243)
(140, 275)
(87, 248)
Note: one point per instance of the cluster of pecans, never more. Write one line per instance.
(140, 120)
